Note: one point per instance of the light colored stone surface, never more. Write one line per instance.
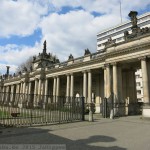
(126, 133)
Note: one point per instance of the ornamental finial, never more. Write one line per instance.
(44, 47)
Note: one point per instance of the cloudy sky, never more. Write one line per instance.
(69, 26)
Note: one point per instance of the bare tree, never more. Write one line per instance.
(27, 64)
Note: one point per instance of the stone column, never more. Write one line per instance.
(105, 82)
(7, 95)
(36, 86)
(68, 86)
(24, 88)
(39, 87)
(39, 90)
(29, 93)
(57, 88)
(46, 91)
(120, 89)
(17, 88)
(46, 87)
(12, 95)
(115, 83)
(89, 86)
(29, 88)
(108, 89)
(3, 94)
(72, 86)
(146, 107)
(35, 91)
(90, 95)
(115, 89)
(108, 82)
(21, 87)
(145, 80)
(54, 87)
(85, 85)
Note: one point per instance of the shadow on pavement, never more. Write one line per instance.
(44, 136)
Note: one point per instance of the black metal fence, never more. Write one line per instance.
(120, 109)
(29, 109)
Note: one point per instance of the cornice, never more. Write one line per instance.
(127, 50)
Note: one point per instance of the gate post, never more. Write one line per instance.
(104, 107)
(112, 107)
(82, 109)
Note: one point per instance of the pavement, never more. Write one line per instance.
(124, 133)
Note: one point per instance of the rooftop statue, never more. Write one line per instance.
(44, 47)
(133, 17)
(25, 69)
(136, 31)
(110, 42)
(70, 57)
(87, 52)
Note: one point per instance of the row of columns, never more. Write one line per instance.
(25, 87)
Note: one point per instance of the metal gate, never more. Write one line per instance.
(27, 110)
(111, 109)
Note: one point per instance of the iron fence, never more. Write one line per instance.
(29, 109)
(120, 108)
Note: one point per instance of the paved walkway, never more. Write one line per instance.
(126, 133)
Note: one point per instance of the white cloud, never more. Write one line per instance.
(13, 55)
(65, 33)
(19, 17)
(103, 6)
(3, 68)
(74, 31)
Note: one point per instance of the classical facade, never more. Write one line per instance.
(105, 74)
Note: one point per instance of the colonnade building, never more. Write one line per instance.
(105, 74)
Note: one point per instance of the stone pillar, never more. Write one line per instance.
(17, 88)
(39, 87)
(57, 88)
(108, 89)
(105, 82)
(72, 86)
(108, 82)
(115, 89)
(46, 91)
(12, 95)
(54, 87)
(68, 86)
(35, 91)
(146, 108)
(24, 88)
(29, 92)
(89, 86)
(115, 83)
(145, 80)
(3, 94)
(85, 85)
(21, 87)
(90, 95)
(29, 88)
(46, 87)
(120, 89)
(39, 90)
(7, 98)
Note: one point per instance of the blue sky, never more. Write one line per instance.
(68, 26)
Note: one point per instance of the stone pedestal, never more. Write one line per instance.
(90, 116)
(146, 111)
